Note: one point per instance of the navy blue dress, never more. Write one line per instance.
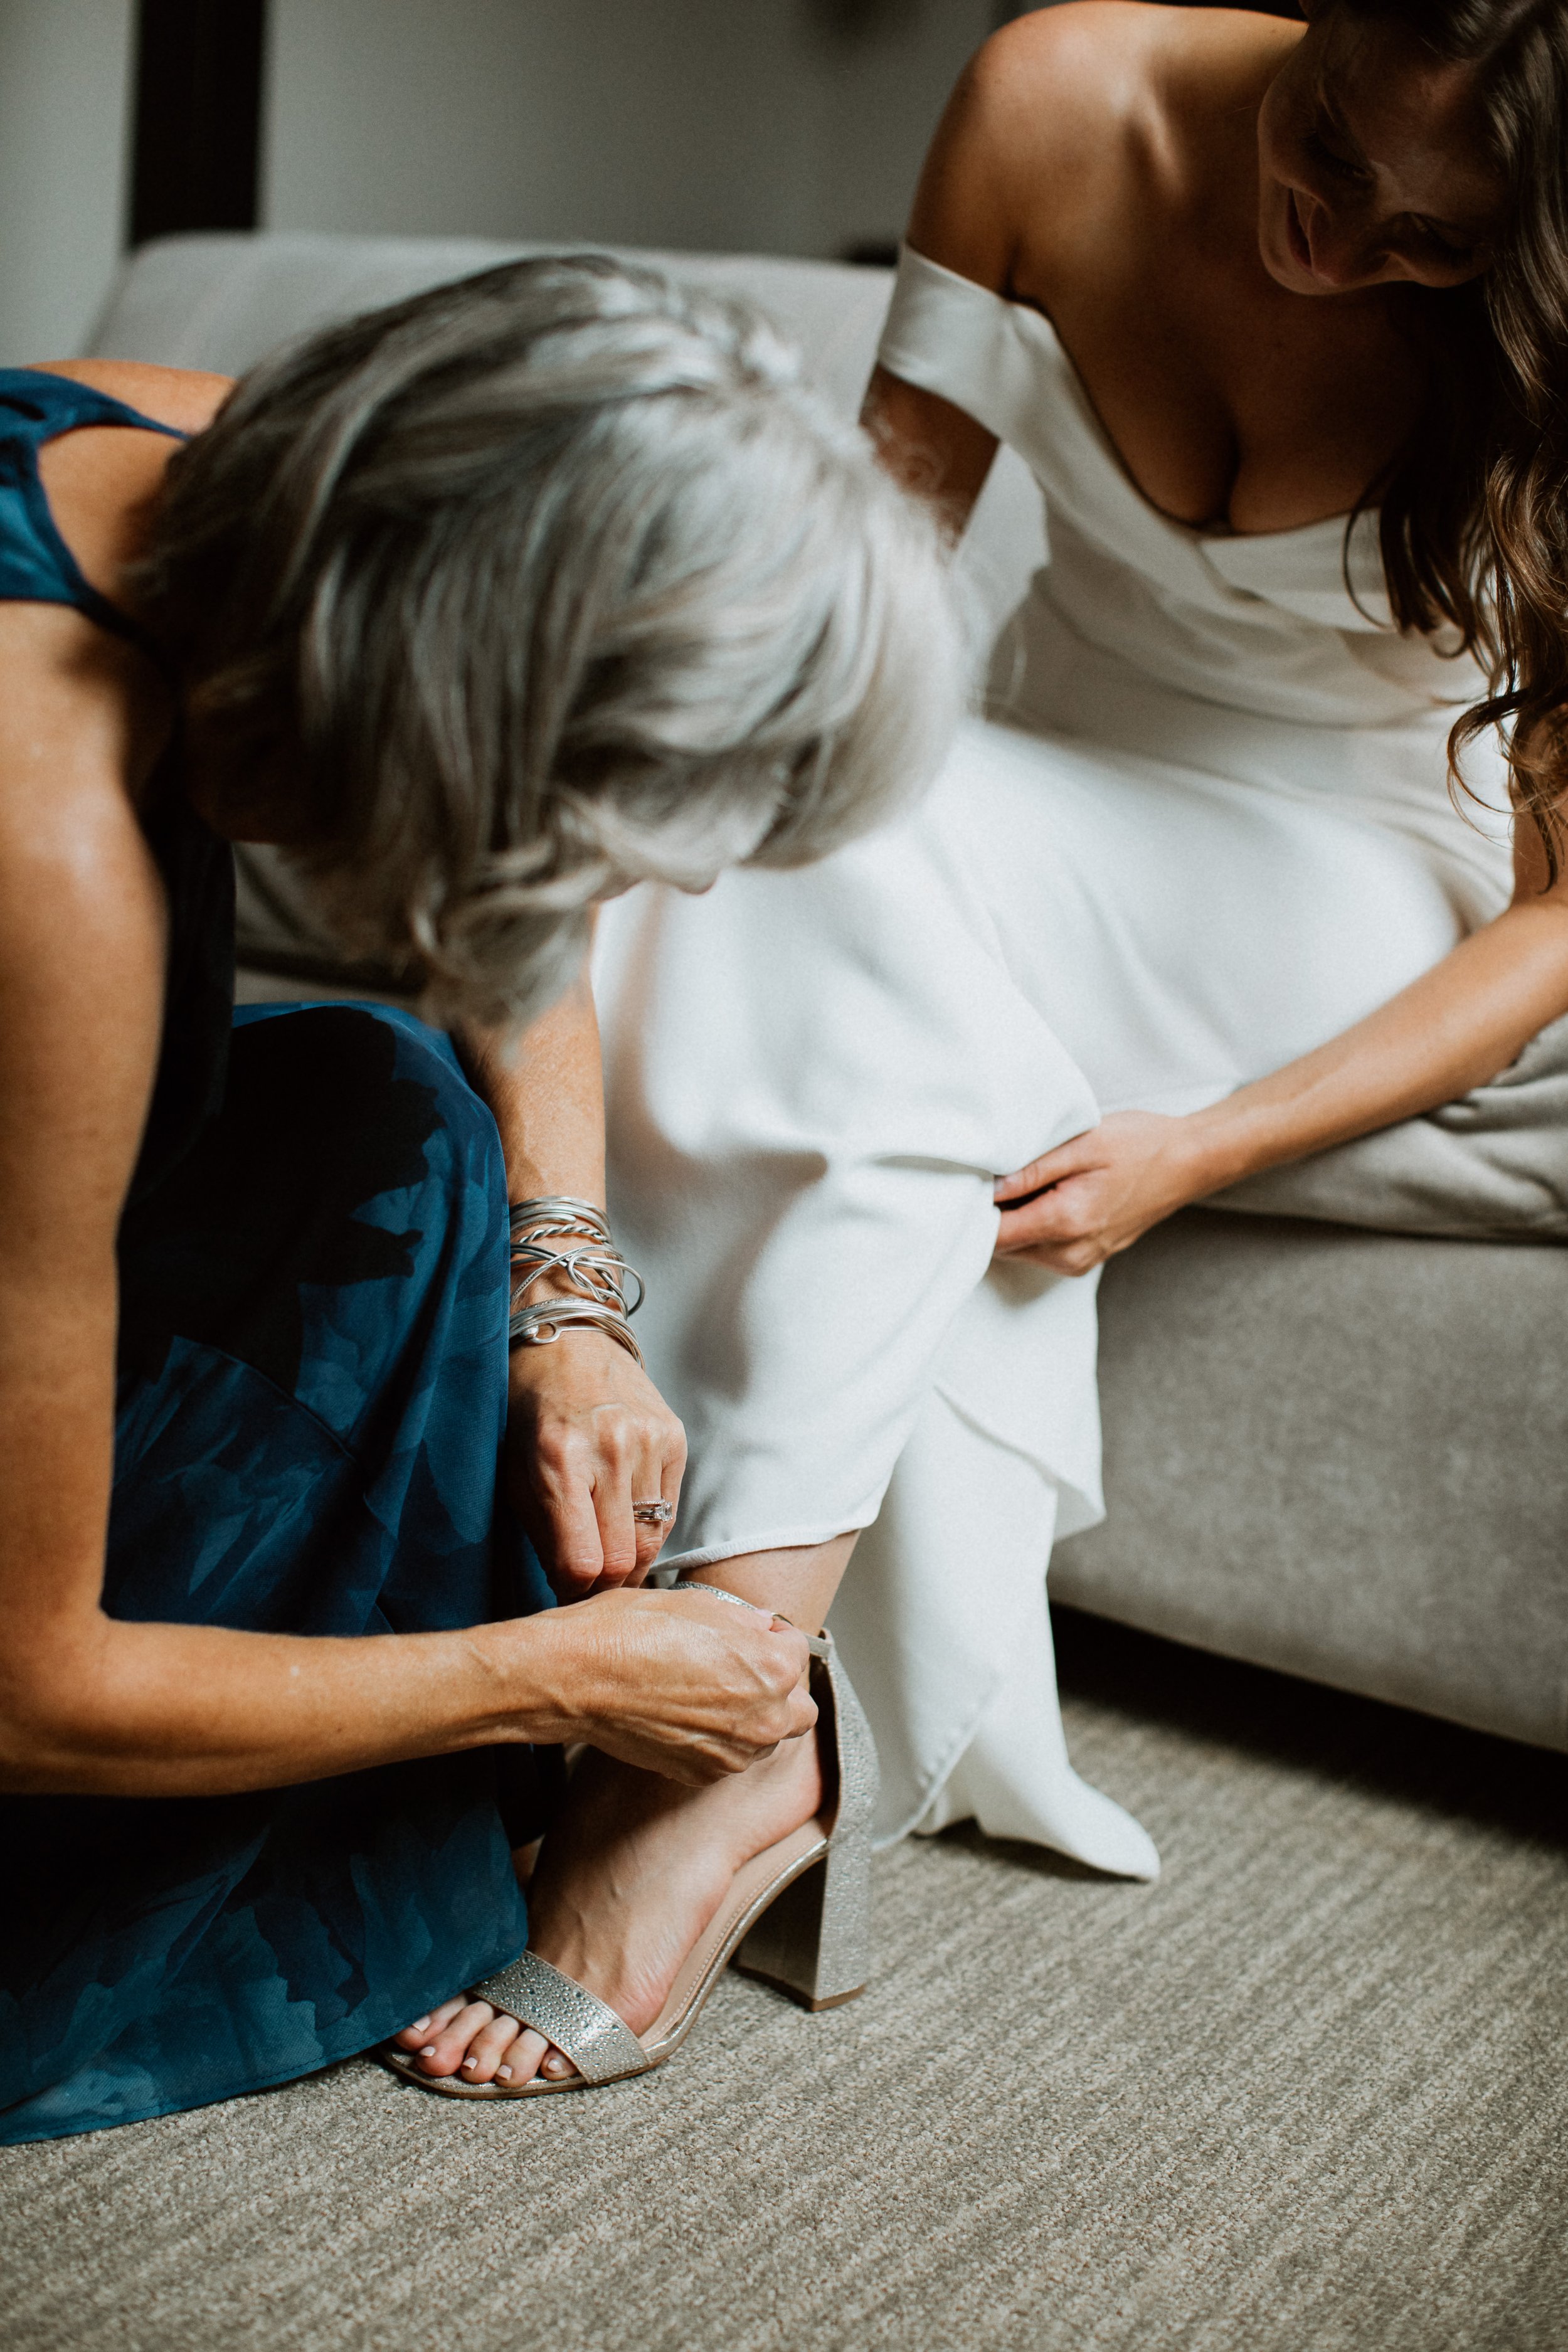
(311, 1399)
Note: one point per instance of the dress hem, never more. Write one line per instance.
(772, 1539)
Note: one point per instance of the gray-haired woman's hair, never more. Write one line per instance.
(544, 583)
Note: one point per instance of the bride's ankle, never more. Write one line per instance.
(797, 1582)
(797, 1763)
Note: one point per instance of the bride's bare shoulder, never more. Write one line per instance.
(1072, 71)
(1087, 54)
(1057, 118)
(1033, 128)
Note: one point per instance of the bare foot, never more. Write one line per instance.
(624, 1884)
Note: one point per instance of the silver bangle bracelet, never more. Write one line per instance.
(559, 1204)
(542, 1324)
(570, 1239)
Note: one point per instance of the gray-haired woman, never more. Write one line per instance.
(484, 606)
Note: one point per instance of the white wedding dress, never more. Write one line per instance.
(1212, 829)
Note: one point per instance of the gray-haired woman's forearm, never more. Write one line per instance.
(175, 1710)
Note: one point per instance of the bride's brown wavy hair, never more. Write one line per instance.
(1475, 507)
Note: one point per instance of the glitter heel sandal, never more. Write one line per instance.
(797, 1916)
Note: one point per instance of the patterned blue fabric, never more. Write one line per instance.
(311, 1397)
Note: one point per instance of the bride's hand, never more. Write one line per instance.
(675, 1683)
(1079, 1205)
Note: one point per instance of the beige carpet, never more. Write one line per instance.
(1308, 2092)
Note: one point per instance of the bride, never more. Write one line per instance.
(1279, 318)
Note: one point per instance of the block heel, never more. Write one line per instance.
(814, 1941)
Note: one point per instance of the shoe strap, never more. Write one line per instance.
(600, 2044)
(819, 1644)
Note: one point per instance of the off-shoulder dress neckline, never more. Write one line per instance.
(1199, 535)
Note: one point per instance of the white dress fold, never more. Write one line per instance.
(1211, 830)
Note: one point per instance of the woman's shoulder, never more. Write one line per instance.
(1066, 74)
(183, 399)
(1060, 123)
(1082, 56)
(1028, 133)
(100, 480)
(85, 714)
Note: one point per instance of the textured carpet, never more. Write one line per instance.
(1306, 2091)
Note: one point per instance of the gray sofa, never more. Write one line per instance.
(1338, 1452)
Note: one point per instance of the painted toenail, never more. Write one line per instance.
(428, 2051)
(505, 2074)
(420, 2025)
(470, 2062)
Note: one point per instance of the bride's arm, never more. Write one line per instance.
(1454, 1028)
(985, 168)
(1022, 189)
(935, 448)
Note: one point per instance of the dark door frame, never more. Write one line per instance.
(195, 153)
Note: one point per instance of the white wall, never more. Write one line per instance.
(65, 72)
(724, 124)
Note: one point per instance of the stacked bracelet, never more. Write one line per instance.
(569, 1239)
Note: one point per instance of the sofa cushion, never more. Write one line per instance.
(1340, 1455)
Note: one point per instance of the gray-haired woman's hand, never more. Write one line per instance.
(588, 1437)
(690, 1687)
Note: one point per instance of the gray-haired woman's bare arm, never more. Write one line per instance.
(88, 1702)
(587, 1433)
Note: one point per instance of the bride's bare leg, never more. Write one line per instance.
(637, 1865)
(799, 1585)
